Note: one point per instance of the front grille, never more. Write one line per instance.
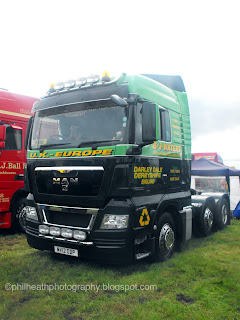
(67, 216)
(69, 181)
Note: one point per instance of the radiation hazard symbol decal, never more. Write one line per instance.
(144, 218)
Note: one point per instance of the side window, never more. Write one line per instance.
(164, 123)
(13, 139)
(167, 126)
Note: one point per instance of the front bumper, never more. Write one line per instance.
(109, 246)
(119, 251)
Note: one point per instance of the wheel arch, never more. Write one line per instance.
(173, 209)
(19, 194)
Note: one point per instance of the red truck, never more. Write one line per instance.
(15, 110)
(213, 156)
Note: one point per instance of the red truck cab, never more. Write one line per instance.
(15, 110)
(212, 156)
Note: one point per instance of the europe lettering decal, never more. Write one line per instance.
(147, 175)
(77, 153)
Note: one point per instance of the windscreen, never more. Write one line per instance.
(80, 125)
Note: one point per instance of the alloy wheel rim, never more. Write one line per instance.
(166, 238)
(22, 218)
(208, 219)
(224, 214)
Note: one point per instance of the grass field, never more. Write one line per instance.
(201, 282)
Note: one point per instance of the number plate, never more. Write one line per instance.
(66, 251)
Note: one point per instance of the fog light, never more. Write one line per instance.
(55, 231)
(31, 213)
(43, 229)
(66, 233)
(79, 235)
(111, 221)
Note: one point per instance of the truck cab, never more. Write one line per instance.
(15, 110)
(108, 168)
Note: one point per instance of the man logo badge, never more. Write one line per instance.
(65, 182)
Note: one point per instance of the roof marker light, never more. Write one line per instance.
(69, 84)
(51, 88)
(106, 76)
(93, 78)
(81, 81)
(59, 86)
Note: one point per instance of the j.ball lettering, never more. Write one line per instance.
(10, 165)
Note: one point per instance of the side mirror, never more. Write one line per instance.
(148, 122)
(2, 133)
(118, 100)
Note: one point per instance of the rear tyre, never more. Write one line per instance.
(166, 237)
(19, 215)
(223, 215)
(206, 221)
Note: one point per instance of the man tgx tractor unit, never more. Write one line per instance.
(15, 111)
(108, 170)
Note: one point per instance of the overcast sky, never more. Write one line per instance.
(49, 41)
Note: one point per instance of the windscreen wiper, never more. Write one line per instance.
(47, 146)
(82, 144)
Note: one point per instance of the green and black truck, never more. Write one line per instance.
(109, 168)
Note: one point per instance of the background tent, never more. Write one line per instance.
(205, 167)
(236, 212)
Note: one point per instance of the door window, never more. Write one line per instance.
(13, 139)
(164, 126)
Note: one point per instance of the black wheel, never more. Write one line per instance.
(206, 221)
(166, 237)
(19, 215)
(223, 217)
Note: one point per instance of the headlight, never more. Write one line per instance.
(111, 221)
(31, 213)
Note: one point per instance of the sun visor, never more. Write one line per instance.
(81, 95)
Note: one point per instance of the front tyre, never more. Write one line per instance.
(166, 237)
(19, 215)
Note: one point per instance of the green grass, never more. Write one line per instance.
(201, 282)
